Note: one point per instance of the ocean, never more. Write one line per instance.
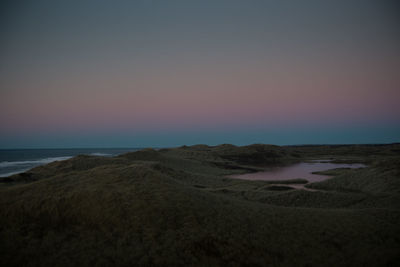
(14, 161)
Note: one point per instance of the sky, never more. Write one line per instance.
(169, 73)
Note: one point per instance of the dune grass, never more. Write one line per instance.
(178, 207)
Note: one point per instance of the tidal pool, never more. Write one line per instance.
(302, 170)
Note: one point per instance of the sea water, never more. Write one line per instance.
(13, 161)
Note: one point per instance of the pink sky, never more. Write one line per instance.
(157, 67)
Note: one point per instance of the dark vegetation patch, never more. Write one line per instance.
(232, 166)
(278, 188)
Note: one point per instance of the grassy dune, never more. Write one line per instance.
(177, 207)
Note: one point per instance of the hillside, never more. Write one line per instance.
(177, 207)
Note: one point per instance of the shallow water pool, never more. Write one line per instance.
(302, 170)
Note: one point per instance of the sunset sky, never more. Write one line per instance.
(168, 73)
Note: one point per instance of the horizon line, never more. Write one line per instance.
(161, 147)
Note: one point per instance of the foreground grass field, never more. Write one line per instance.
(177, 207)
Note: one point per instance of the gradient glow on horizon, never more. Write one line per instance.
(166, 73)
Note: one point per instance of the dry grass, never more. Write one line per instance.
(175, 207)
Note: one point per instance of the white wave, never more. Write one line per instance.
(4, 164)
(12, 173)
